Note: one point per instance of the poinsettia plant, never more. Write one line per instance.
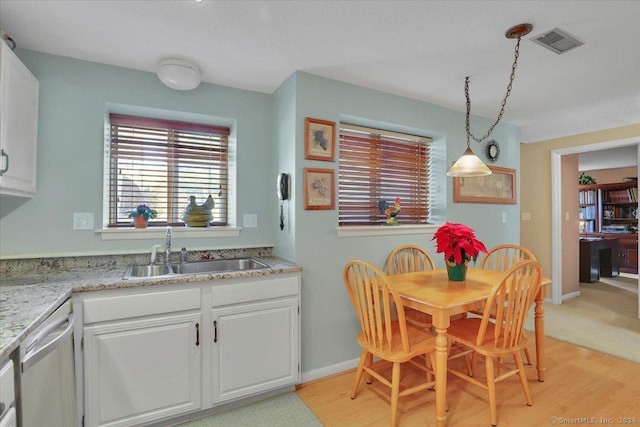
(458, 242)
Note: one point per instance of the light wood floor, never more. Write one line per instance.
(579, 383)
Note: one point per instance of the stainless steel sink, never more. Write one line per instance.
(209, 266)
(147, 270)
(218, 265)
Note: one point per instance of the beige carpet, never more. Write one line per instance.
(603, 318)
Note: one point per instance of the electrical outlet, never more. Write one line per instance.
(83, 220)
(525, 216)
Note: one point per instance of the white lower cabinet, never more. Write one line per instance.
(159, 352)
(142, 369)
(254, 348)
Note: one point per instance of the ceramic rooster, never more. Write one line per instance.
(391, 212)
(196, 215)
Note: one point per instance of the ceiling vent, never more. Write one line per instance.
(557, 41)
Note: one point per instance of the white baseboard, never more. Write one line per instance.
(570, 295)
(329, 370)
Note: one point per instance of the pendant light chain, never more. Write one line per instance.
(504, 101)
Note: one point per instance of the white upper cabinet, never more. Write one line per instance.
(19, 91)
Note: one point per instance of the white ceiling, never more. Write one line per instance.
(418, 49)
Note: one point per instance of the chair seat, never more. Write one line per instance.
(420, 342)
(465, 331)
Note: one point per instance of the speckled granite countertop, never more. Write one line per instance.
(31, 289)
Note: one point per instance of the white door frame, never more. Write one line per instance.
(556, 211)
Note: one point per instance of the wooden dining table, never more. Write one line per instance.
(433, 293)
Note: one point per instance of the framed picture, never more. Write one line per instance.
(319, 139)
(319, 189)
(499, 187)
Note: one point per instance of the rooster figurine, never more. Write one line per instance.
(391, 212)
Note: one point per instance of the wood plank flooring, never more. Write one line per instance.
(581, 386)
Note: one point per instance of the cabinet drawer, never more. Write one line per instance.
(6, 385)
(234, 293)
(104, 308)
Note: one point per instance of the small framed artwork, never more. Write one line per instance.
(319, 139)
(499, 187)
(319, 190)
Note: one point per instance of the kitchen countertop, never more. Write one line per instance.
(29, 293)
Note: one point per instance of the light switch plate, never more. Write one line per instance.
(250, 220)
(83, 220)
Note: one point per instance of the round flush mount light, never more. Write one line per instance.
(178, 74)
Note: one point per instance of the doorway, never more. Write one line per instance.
(556, 210)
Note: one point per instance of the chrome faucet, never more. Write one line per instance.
(167, 243)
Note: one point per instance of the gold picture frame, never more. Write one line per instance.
(319, 139)
(319, 189)
(499, 187)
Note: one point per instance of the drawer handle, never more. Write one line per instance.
(215, 331)
(197, 334)
(5, 155)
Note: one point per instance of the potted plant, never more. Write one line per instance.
(459, 245)
(141, 215)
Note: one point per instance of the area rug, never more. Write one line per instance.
(603, 318)
(285, 410)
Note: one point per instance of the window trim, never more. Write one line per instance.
(182, 124)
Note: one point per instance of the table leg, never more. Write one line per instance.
(441, 376)
(539, 328)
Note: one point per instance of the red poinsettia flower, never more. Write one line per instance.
(458, 242)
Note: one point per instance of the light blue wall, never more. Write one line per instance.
(270, 135)
(329, 323)
(74, 98)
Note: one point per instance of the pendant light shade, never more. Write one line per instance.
(468, 165)
(178, 74)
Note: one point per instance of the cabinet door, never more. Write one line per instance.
(254, 348)
(18, 125)
(141, 370)
(628, 250)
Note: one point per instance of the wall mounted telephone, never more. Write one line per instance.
(283, 186)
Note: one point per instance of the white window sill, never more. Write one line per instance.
(160, 232)
(383, 230)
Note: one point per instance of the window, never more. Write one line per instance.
(161, 163)
(377, 164)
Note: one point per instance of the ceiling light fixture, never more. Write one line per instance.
(469, 164)
(178, 74)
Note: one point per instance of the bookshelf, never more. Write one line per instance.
(611, 211)
(588, 209)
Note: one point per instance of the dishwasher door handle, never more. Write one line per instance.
(39, 353)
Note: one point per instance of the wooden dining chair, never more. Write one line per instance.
(501, 258)
(385, 333)
(499, 332)
(409, 259)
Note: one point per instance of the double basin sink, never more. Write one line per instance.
(196, 267)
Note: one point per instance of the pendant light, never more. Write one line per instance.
(469, 164)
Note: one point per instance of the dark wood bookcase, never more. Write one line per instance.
(611, 211)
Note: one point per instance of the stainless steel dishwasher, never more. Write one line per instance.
(47, 377)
